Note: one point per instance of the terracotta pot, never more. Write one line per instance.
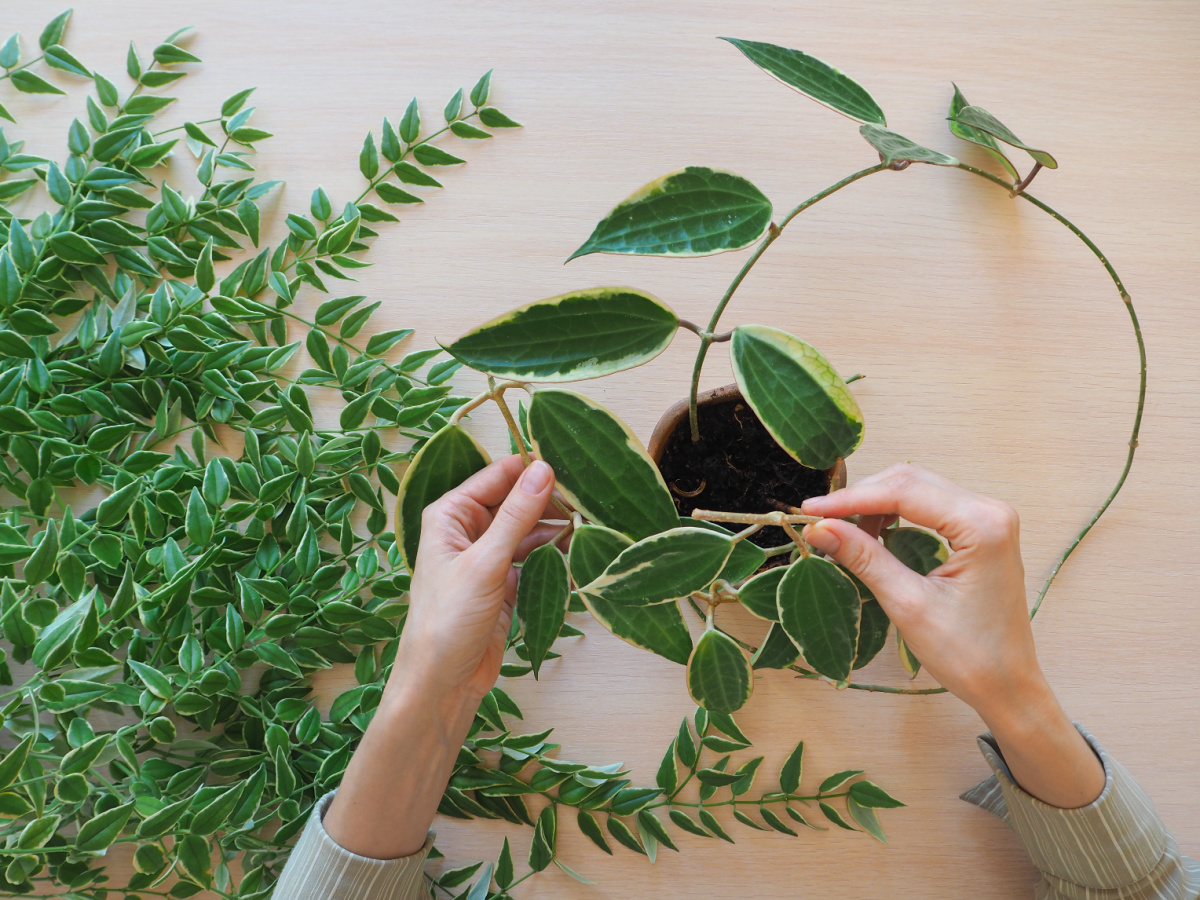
(679, 412)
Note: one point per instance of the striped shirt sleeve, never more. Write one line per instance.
(319, 869)
(1116, 848)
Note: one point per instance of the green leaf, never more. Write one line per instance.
(171, 54)
(835, 781)
(591, 828)
(724, 723)
(13, 760)
(911, 664)
(61, 630)
(545, 840)
(199, 523)
(663, 567)
(469, 132)
(793, 768)
(684, 821)
(542, 594)
(695, 211)
(389, 193)
(758, 594)
(214, 814)
(979, 118)
(233, 104)
(113, 508)
(813, 78)
(746, 558)
(578, 335)
(866, 817)
(624, 836)
(446, 460)
(13, 805)
(454, 106)
(504, 867)
(685, 745)
(493, 118)
(718, 674)
(53, 32)
(868, 794)
(164, 820)
(599, 464)
(10, 53)
(593, 547)
(59, 57)
(100, 831)
(895, 147)
(872, 632)
(195, 858)
(710, 822)
(29, 83)
(38, 832)
(410, 123)
(668, 774)
(717, 778)
(156, 682)
(368, 159)
(819, 608)
(627, 801)
(429, 155)
(74, 248)
(920, 550)
(479, 93)
(650, 828)
(775, 822)
(835, 817)
(797, 395)
(659, 629)
(410, 174)
(975, 136)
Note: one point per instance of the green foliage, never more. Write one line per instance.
(696, 211)
(820, 610)
(978, 118)
(542, 596)
(149, 366)
(718, 674)
(663, 567)
(583, 334)
(894, 148)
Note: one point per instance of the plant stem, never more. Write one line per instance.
(1137, 333)
(773, 232)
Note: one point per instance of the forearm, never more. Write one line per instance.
(1047, 756)
(396, 777)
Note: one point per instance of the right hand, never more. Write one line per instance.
(966, 621)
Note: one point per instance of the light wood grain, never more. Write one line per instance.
(995, 349)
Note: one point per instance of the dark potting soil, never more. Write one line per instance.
(736, 466)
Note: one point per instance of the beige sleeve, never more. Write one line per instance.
(1116, 848)
(319, 869)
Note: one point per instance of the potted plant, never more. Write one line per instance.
(647, 525)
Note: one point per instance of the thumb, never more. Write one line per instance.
(888, 579)
(519, 512)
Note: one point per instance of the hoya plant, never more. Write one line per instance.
(647, 525)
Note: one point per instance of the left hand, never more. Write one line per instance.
(464, 584)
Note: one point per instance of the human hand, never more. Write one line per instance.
(966, 621)
(464, 584)
(460, 609)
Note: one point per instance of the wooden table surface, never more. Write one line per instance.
(995, 348)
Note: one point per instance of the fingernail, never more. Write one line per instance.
(535, 478)
(811, 504)
(822, 538)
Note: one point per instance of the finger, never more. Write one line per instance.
(519, 512)
(897, 587)
(542, 533)
(490, 485)
(916, 494)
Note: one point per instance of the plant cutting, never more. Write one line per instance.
(648, 527)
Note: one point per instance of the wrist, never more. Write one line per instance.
(1022, 707)
(414, 697)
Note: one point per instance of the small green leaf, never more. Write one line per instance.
(389, 193)
(53, 32)
(920, 550)
(627, 801)
(11, 763)
(793, 768)
(718, 674)
(979, 118)
(871, 795)
(591, 828)
(410, 123)
(454, 106)
(571, 337)
(758, 594)
(172, 54)
(819, 608)
(866, 817)
(74, 248)
(504, 867)
(663, 567)
(695, 211)
(479, 93)
(593, 547)
(895, 147)
(493, 118)
(599, 464)
(624, 836)
(545, 840)
(59, 57)
(429, 155)
(975, 136)
(872, 632)
(468, 132)
(199, 524)
(775, 822)
(813, 78)
(710, 822)
(100, 831)
(368, 158)
(835, 781)
(542, 594)
(446, 460)
(29, 83)
(835, 817)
